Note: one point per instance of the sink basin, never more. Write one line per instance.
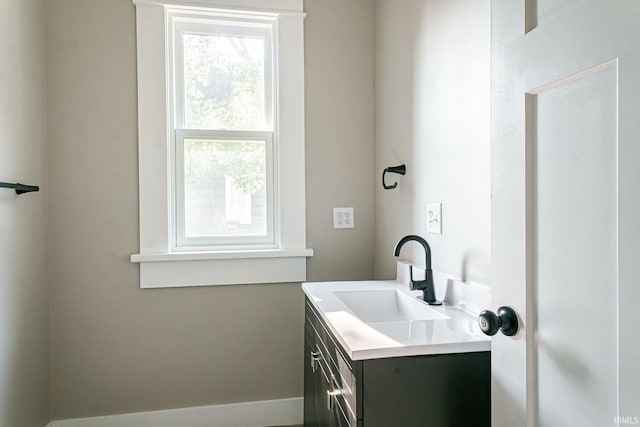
(386, 306)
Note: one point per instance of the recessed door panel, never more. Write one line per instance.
(573, 211)
(542, 11)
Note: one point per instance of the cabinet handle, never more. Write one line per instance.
(315, 359)
(332, 394)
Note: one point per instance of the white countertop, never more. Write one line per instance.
(457, 330)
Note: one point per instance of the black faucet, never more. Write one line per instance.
(426, 285)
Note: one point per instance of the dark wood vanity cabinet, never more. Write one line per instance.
(450, 390)
(329, 379)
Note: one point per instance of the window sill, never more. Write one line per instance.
(170, 270)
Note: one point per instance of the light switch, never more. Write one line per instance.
(434, 218)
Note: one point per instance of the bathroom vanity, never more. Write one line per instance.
(375, 356)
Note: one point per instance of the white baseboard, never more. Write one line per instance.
(250, 414)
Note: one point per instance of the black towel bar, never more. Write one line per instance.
(20, 188)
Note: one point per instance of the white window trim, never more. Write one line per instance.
(180, 243)
(267, 32)
(160, 266)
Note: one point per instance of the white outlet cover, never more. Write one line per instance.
(434, 218)
(343, 218)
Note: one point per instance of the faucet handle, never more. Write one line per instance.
(419, 285)
(426, 286)
(416, 285)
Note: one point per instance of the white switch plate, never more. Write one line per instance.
(434, 218)
(343, 218)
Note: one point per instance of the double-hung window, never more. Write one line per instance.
(221, 142)
(223, 131)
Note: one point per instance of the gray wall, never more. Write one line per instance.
(339, 61)
(432, 113)
(118, 349)
(24, 304)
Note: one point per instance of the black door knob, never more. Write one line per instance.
(506, 321)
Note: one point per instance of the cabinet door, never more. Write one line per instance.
(309, 382)
(318, 404)
(312, 380)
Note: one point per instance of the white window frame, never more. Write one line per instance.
(181, 21)
(202, 23)
(179, 242)
(161, 263)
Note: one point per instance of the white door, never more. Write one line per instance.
(566, 211)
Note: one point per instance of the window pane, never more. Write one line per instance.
(225, 188)
(224, 82)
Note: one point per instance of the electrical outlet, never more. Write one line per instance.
(434, 218)
(343, 218)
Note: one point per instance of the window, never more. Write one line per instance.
(221, 76)
(224, 189)
(221, 142)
